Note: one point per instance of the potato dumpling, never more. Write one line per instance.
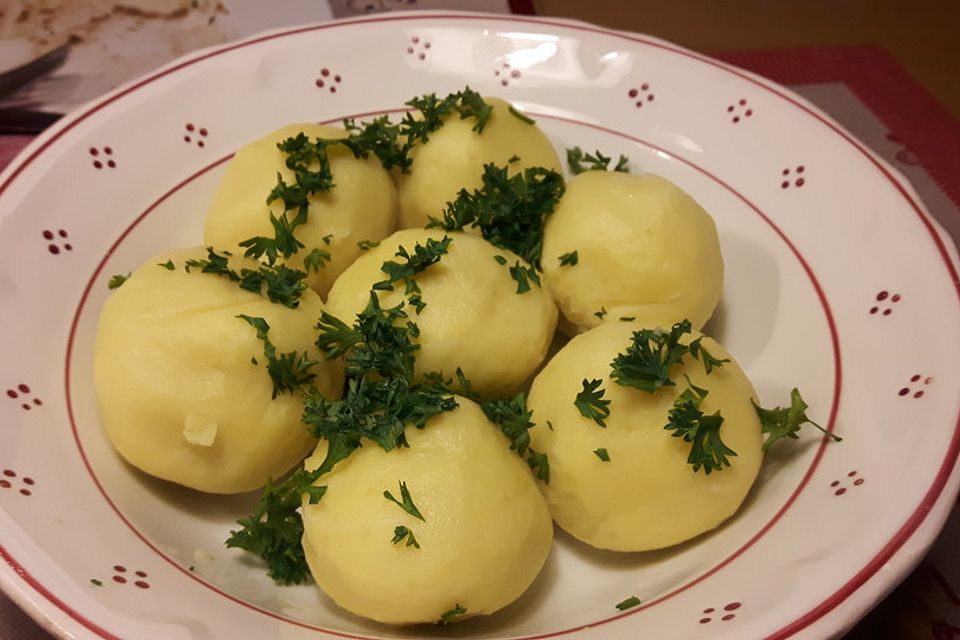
(473, 318)
(647, 496)
(179, 395)
(484, 537)
(644, 248)
(361, 206)
(453, 159)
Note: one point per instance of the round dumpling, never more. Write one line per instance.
(361, 206)
(453, 159)
(644, 249)
(474, 318)
(182, 383)
(484, 536)
(646, 496)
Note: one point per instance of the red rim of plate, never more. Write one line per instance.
(834, 599)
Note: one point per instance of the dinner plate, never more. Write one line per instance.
(837, 282)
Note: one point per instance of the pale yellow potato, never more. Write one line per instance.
(453, 159)
(361, 206)
(485, 535)
(645, 249)
(473, 318)
(179, 396)
(647, 496)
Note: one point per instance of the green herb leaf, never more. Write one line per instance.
(602, 454)
(590, 402)
(782, 422)
(519, 115)
(697, 350)
(646, 363)
(453, 614)
(627, 318)
(580, 162)
(407, 504)
(400, 532)
(316, 259)
(168, 265)
(283, 284)
(116, 281)
(412, 264)
(523, 274)
(629, 603)
(95, 582)
(366, 245)
(687, 421)
(600, 314)
(500, 259)
(514, 419)
(569, 259)
(288, 371)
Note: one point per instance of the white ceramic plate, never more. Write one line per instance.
(837, 282)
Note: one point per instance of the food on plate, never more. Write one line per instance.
(359, 207)
(451, 527)
(631, 245)
(182, 380)
(452, 158)
(473, 315)
(621, 477)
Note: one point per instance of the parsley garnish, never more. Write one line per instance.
(687, 421)
(290, 370)
(647, 361)
(453, 614)
(407, 504)
(412, 264)
(116, 281)
(627, 318)
(500, 259)
(366, 245)
(519, 115)
(283, 284)
(523, 274)
(600, 314)
(785, 422)
(316, 259)
(700, 352)
(168, 265)
(629, 603)
(509, 211)
(327, 238)
(602, 454)
(513, 417)
(569, 259)
(95, 582)
(590, 402)
(400, 532)
(580, 162)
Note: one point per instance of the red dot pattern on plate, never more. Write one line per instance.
(22, 394)
(726, 615)
(102, 157)
(796, 174)
(10, 478)
(57, 241)
(120, 577)
(328, 80)
(506, 74)
(884, 302)
(739, 110)
(418, 47)
(639, 95)
(853, 479)
(916, 380)
(195, 134)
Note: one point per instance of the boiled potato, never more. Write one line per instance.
(647, 496)
(473, 318)
(645, 249)
(178, 393)
(453, 159)
(361, 206)
(485, 533)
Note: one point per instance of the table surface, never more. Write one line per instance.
(921, 35)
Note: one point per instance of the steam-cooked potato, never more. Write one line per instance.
(644, 249)
(485, 533)
(361, 206)
(473, 318)
(179, 395)
(647, 495)
(453, 159)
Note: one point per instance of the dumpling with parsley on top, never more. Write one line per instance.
(198, 373)
(324, 202)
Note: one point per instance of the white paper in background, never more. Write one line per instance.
(113, 41)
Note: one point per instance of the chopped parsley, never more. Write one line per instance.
(569, 259)
(514, 419)
(602, 454)
(520, 115)
(407, 504)
(524, 274)
(366, 245)
(283, 284)
(316, 259)
(580, 162)
(412, 264)
(785, 422)
(400, 533)
(590, 402)
(168, 265)
(95, 582)
(500, 259)
(629, 603)
(600, 314)
(116, 281)
(288, 371)
(687, 421)
(453, 614)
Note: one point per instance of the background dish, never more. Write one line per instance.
(832, 265)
